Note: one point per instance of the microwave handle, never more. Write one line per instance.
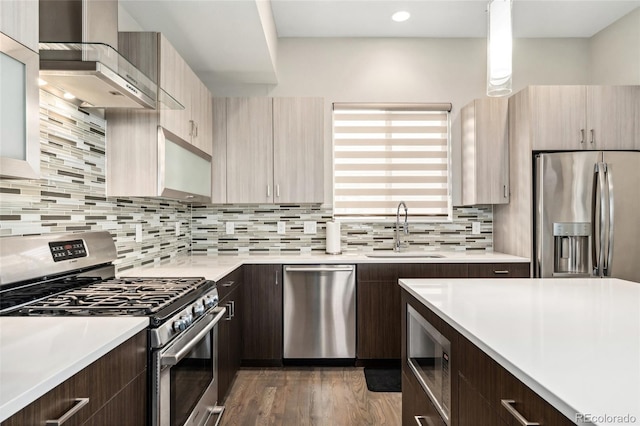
(172, 358)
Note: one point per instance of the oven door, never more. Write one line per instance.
(184, 382)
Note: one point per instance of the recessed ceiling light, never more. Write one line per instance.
(401, 16)
(41, 82)
(68, 95)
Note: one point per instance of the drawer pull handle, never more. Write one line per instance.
(506, 403)
(501, 271)
(426, 420)
(228, 284)
(79, 403)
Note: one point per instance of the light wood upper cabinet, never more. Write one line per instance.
(298, 137)
(201, 118)
(558, 117)
(249, 150)
(273, 149)
(584, 117)
(165, 152)
(154, 55)
(176, 79)
(613, 117)
(485, 152)
(19, 20)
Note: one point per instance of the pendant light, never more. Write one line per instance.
(499, 48)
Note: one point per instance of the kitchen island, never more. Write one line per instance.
(573, 342)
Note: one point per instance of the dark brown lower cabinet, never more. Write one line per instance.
(262, 315)
(417, 408)
(473, 409)
(116, 386)
(229, 340)
(378, 298)
(378, 304)
(499, 270)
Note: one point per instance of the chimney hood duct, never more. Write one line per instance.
(77, 58)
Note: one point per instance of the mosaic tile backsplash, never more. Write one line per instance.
(255, 231)
(70, 197)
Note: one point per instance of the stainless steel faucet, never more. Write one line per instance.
(398, 244)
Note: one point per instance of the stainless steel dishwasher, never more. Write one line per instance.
(319, 311)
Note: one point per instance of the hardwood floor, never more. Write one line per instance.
(308, 396)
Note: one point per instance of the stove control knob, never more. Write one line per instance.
(209, 302)
(188, 319)
(179, 325)
(198, 309)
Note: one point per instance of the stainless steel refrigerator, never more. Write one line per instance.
(587, 214)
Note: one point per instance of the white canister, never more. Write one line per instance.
(333, 238)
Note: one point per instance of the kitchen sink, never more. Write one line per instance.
(400, 254)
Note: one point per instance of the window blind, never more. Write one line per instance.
(384, 154)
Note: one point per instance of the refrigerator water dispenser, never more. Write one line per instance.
(571, 248)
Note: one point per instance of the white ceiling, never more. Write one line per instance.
(235, 40)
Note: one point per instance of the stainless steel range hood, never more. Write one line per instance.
(78, 61)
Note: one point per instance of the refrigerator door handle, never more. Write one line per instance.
(606, 270)
(602, 170)
(595, 240)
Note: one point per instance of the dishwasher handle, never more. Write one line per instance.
(319, 268)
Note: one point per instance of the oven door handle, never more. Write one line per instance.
(172, 358)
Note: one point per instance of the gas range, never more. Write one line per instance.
(75, 277)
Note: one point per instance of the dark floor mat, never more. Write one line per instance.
(383, 379)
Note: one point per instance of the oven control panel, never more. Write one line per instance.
(67, 250)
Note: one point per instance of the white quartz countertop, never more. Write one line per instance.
(39, 353)
(575, 342)
(216, 267)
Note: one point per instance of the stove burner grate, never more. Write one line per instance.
(124, 296)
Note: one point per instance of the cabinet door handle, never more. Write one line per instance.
(277, 190)
(593, 136)
(504, 191)
(79, 403)
(581, 135)
(190, 127)
(229, 316)
(196, 124)
(506, 403)
(276, 277)
(268, 190)
(233, 308)
(501, 272)
(228, 284)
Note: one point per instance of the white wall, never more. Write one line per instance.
(409, 70)
(615, 52)
(126, 21)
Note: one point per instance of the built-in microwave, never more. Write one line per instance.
(428, 355)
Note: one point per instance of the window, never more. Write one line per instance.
(384, 154)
